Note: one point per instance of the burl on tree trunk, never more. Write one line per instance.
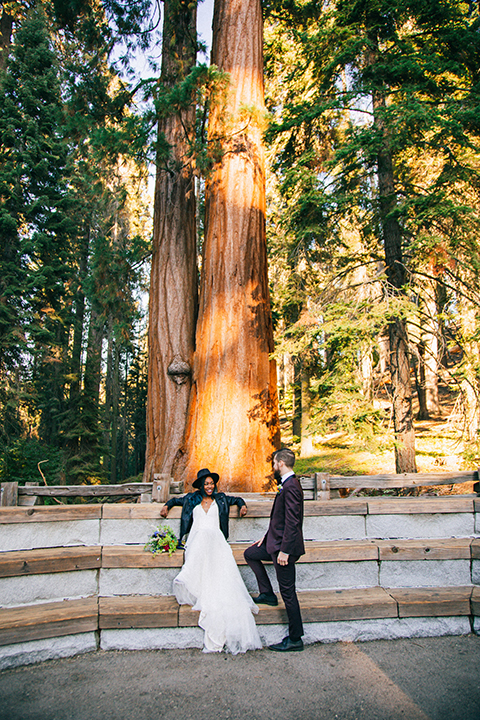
(173, 284)
(233, 423)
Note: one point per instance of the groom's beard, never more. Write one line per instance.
(277, 476)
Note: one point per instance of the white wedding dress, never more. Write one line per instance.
(210, 581)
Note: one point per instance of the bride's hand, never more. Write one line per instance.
(243, 511)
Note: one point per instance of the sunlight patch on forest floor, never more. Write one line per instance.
(438, 449)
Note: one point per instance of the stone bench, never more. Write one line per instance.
(49, 620)
(75, 578)
(48, 574)
(343, 519)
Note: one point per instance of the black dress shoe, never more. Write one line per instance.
(287, 645)
(266, 599)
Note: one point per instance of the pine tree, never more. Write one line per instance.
(35, 224)
(393, 82)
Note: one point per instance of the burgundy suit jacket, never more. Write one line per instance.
(286, 519)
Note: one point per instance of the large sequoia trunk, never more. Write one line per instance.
(173, 285)
(233, 417)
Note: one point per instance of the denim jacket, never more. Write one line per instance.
(191, 500)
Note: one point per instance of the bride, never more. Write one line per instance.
(209, 579)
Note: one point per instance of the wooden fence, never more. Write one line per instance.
(316, 487)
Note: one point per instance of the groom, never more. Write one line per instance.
(283, 545)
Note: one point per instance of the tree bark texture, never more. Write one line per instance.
(397, 331)
(233, 423)
(430, 340)
(420, 382)
(173, 285)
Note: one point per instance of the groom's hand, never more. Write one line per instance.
(243, 511)
(282, 558)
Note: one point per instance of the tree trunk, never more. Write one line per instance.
(470, 387)
(233, 423)
(306, 444)
(423, 413)
(430, 342)
(113, 399)
(383, 352)
(297, 399)
(90, 441)
(397, 331)
(6, 25)
(74, 400)
(173, 283)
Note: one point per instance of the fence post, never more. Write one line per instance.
(29, 500)
(9, 494)
(161, 487)
(323, 486)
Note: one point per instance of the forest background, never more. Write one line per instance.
(372, 230)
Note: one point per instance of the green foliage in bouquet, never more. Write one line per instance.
(162, 540)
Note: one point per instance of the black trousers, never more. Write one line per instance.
(254, 555)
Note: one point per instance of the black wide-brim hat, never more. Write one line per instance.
(204, 473)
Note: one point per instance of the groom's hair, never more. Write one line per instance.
(285, 454)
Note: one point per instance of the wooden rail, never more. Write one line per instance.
(324, 482)
(316, 487)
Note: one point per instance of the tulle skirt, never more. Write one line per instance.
(210, 581)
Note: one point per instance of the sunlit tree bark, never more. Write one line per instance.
(173, 284)
(233, 417)
(430, 338)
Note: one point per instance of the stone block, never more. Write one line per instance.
(34, 651)
(136, 581)
(334, 527)
(381, 629)
(251, 582)
(30, 535)
(248, 529)
(151, 638)
(132, 531)
(320, 576)
(424, 573)
(476, 625)
(31, 589)
(439, 525)
(137, 611)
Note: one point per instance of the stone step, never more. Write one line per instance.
(48, 620)
(52, 560)
(342, 519)
(47, 575)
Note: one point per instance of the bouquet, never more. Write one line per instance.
(161, 541)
